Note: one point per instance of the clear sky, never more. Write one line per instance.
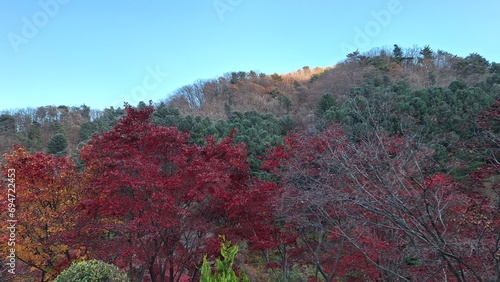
(101, 53)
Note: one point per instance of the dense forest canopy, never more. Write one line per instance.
(382, 167)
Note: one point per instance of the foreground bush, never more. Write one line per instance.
(92, 271)
(224, 268)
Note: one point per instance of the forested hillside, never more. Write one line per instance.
(383, 167)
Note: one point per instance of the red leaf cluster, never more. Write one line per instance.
(158, 203)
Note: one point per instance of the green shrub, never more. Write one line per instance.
(92, 271)
(224, 268)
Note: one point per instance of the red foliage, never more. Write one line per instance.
(158, 204)
(45, 189)
(372, 210)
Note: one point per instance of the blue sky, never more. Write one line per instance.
(101, 53)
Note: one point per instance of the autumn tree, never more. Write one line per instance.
(47, 190)
(375, 202)
(158, 203)
(309, 213)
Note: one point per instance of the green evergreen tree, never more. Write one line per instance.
(426, 52)
(285, 103)
(102, 124)
(397, 54)
(57, 127)
(7, 125)
(57, 145)
(326, 102)
(476, 64)
(495, 74)
(166, 115)
(87, 129)
(35, 137)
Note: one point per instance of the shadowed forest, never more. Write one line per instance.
(383, 167)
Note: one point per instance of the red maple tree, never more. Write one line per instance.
(374, 208)
(155, 204)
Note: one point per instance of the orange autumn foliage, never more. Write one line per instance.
(47, 190)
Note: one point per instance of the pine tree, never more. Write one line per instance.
(57, 145)
(35, 136)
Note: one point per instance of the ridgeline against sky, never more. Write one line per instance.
(71, 52)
